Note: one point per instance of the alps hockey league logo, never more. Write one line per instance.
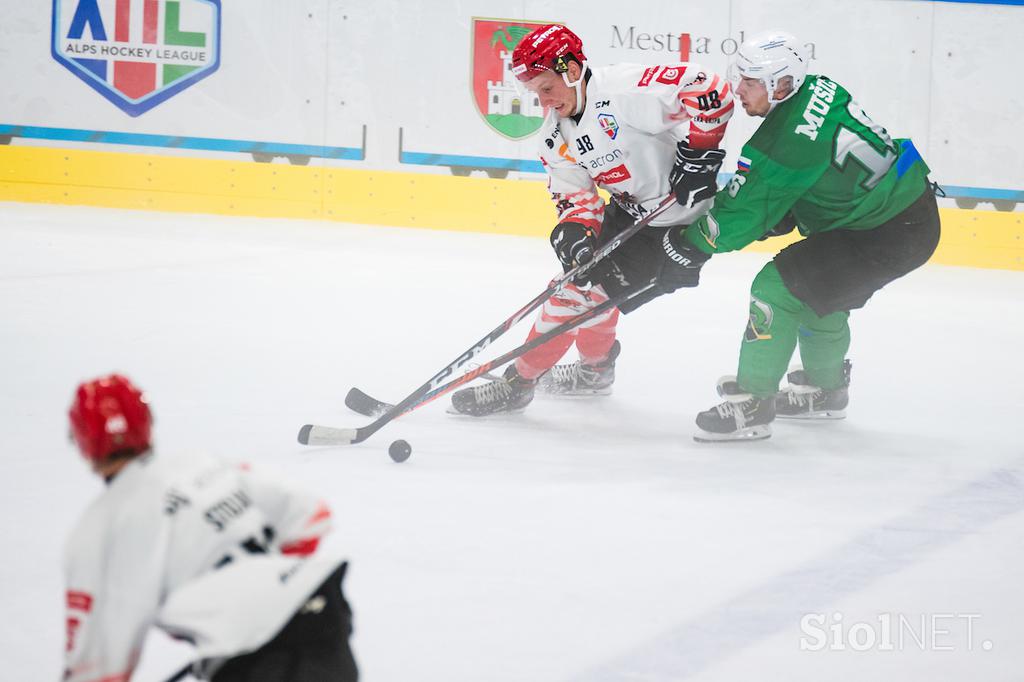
(137, 53)
(508, 108)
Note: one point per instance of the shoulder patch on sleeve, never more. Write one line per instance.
(671, 75)
(648, 74)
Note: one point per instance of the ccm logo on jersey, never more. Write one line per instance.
(618, 174)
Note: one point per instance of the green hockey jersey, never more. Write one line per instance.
(820, 156)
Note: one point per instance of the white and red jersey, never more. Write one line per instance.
(207, 550)
(625, 139)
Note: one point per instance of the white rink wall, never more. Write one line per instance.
(315, 72)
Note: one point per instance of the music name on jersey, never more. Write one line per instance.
(817, 108)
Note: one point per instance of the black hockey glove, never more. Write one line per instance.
(785, 226)
(574, 244)
(695, 173)
(681, 262)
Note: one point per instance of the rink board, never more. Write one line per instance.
(976, 238)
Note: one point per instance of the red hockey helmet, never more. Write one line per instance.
(548, 48)
(110, 415)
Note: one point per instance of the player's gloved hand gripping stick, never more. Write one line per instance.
(435, 386)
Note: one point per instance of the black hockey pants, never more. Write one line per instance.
(312, 647)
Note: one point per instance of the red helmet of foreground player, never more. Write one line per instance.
(110, 415)
(548, 48)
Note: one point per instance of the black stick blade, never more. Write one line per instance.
(364, 404)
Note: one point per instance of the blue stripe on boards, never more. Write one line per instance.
(180, 142)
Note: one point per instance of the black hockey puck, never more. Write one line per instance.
(400, 450)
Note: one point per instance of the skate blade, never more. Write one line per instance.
(577, 393)
(824, 416)
(749, 433)
(504, 413)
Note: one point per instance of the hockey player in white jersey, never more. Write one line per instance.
(639, 132)
(210, 552)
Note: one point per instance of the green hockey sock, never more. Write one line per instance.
(771, 334)
(823, 345)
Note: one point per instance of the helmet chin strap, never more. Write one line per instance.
(772, 102)
(576, 85)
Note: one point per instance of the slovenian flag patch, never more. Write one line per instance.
(742, 164)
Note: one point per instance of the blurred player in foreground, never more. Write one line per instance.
(209, 552)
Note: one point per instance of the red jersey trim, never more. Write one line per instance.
(79, 601)
(303, 547)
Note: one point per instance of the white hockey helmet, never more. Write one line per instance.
(769, 57)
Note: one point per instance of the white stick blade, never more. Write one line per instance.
(311, 434)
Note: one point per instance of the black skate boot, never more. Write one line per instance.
(510, 393)
(740, 417)
(803, 400)
(578, 379)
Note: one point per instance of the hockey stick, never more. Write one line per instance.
(369, 406)
(181, 674)
(312, 434)
(365, 404)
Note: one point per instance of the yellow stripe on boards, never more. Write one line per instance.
(197, 185)
(981, 239)
(988, 239)
(441, 202)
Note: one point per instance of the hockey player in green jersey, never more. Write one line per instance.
(819, 164)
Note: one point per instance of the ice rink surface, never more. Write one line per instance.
(580, 540)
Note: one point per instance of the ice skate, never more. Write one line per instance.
(579, 379)
(511, 393)
(803, 400)
(741, 417)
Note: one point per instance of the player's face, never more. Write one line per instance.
(753, 96)
(554, 93)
